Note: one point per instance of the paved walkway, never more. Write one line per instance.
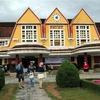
(34, 93)
(28, 92)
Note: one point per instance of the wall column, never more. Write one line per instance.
(9, 61)
(3, 61)
(40, 58)
(17, 59)
(92, 63)
(85, 57)
(75, 60)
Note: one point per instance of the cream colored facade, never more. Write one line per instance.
(59, 39)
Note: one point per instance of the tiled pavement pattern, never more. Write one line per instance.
(34, 93)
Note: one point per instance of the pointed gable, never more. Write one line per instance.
(82, 18)
(29, 17)
(56, 17)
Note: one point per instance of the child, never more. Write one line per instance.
(31, 76)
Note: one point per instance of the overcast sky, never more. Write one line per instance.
(11, 10)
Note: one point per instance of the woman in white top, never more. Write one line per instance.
(40, 74)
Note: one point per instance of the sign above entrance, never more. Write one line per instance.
(56, 60)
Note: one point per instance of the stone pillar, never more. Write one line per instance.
(17, 59)
(85, 57)
(3, 61)
(92, 63)
(75, 60)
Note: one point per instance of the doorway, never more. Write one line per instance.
(27, 59)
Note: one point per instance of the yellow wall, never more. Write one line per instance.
(93, 33)
(62, 19)
(17, 35)
(49, 22)
(28, 17)
(82, 17)
(47, 42)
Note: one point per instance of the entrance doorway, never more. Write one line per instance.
(27, 59)
(80, 61)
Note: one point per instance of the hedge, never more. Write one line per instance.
(2, 78)
(90, 85)
(67, 75)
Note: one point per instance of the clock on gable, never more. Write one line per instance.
(56, 17)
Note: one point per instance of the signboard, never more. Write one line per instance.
(56, 59)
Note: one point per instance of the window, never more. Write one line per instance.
(82, 34)
(4, 43)
(29, 33)
(56, 36)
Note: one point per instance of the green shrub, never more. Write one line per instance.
(91, 85)
(67, 75)
(2, 78)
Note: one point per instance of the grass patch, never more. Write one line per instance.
(45, 85)
(8, 92)
(72, 93)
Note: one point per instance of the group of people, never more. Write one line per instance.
(41, 70)
(30, 73)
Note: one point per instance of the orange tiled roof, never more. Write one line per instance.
(98, 26)
(6, 29)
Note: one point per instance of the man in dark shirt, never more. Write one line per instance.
(20, 74)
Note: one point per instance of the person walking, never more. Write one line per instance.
(20, 74)
(51, 67)
(40, 74)
(30, 67)
(31, 76)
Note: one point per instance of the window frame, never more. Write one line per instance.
(87, 34)
(60, 39)
(33, 39)
(4, 42)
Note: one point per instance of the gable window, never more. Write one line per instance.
(4, 43)
(29, 33)
(56, 36)
(82, 34)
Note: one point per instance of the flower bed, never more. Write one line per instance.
(97, 81)
(90, 84)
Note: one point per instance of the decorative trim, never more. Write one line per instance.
(88, 51)
(28, 52)
(15, 39)
(70, 38)
(27, 43)
(43, 39)
(4, 55)
(96, 39)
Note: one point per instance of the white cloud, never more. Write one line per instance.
(11, 10)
